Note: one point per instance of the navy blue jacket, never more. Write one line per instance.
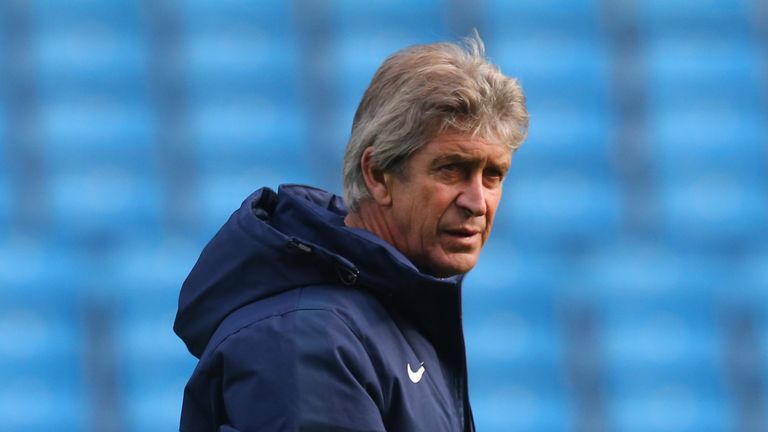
(302, 323)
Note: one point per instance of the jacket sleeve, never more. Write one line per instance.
(302, 371)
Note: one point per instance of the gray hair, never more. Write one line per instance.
(426, 90)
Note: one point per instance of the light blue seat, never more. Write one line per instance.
(687, 16)
(560, 210)
(505, 18)
(235, 50)
(104, 205)
(506, 269)
(713, 211)
(219, 196)
(80, 133)
(364, 34)
(529, 397)
(276, 18)
(707, 138)
(154, 364)
(571, 120)
(514, 354)
(6, 203)
(41, 365)
(231, 62)
(565, 135)
(663, 350)
(351, 18)
(152, 272)
(670, 406)
(87, 46)
(255, 134)
(553, 46)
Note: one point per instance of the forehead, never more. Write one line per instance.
(466, 147)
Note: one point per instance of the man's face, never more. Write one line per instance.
(443, 206)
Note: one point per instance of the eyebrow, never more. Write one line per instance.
(463, 158)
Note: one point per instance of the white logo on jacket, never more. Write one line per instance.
(415, 376)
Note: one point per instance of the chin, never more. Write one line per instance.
(452, 267)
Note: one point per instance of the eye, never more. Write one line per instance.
(450, 168)
(493, 176)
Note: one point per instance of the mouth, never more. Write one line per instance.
(462, 232)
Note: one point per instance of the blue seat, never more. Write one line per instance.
(364, 34)
(662, 349)
(152, 271)
(565, 135)
(707, 138)
(276, 18)
(505, 18)
(691, 16)
(248, 135)
(560, 210)
(41, 344)
(504, 269)
(83, 46)
(514, 356)
(154, 364)
(545, 62)
(239, 50)
(667, 405)
(220, 195)
(6, 203)
(510, 336)
(231, 62)
(531, 397)
(106, 205)
(80, 133)
(713, 211)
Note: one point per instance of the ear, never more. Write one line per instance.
(377, 181)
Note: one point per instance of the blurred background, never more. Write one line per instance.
(624, 288)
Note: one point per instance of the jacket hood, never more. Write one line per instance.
(296, 237)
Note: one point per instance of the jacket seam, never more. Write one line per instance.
(253, 323)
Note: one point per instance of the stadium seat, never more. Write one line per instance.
(248, 135)
(81, 133)
(220, 195)
(713, 211)
(520, 403)
(86, 47)
(663, 351)
(244, 108)
(41, 347)
(6, 203)
(505, 268)
(362, 35)
(104, 205)
(565, 79)
(153, 363)
(505, 19)
(703, 138)
(560, 210)
(230, 61)
(515, 374)
(658, 17)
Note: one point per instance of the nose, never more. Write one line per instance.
(471, 199)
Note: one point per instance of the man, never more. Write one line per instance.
(306, 317)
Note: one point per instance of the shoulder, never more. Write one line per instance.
(337, 311)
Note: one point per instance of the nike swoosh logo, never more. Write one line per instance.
(415, 376)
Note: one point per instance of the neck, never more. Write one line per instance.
(370, 217)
